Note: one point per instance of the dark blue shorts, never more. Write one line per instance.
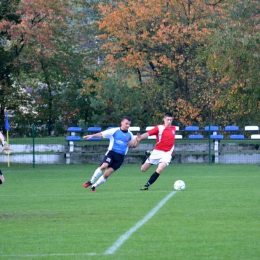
(114, 160)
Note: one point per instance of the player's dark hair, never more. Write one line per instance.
(127, 118)
(168, 114)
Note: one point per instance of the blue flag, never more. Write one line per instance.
(7, 128)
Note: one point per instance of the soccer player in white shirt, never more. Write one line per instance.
(120, 139)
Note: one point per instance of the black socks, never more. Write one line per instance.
(152, 179)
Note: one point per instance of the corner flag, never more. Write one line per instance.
(7, 128)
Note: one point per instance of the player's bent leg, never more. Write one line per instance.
(155, 175)
(95, 175)
(161, 167)
(147, 155)
(108, 172)
(145, 167)
(152, 179)
(103, 166)
(102, 179)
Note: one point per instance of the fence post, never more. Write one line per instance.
(209, 147)
(33, 137)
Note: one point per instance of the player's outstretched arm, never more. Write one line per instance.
(139, 137)
(94, 135)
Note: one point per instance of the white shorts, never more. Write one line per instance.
(158, 156)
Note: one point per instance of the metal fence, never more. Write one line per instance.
(40, 146)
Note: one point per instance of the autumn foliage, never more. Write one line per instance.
(97, 61)
(170, 42)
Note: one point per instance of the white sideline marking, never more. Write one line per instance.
(49, 255)
(124, 237)
(115, 246)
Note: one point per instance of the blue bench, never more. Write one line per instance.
(216, 137)
(73, 138)
(74, 129)
(93, 130)
(195, 136)
(211, 128)
(192, 128)
(231, 128)
(237, 137)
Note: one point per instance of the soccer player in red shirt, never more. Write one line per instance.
(163, 150)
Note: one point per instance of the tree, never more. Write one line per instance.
(235, 58)
(47, 57)
(166, 41)
(8, 53)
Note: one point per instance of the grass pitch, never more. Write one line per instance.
(47, 214)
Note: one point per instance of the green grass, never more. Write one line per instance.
(47, 214)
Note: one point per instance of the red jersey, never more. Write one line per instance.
(165, 137)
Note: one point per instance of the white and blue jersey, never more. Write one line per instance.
(118, 139)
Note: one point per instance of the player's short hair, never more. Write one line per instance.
(127, 118)
(168, 114)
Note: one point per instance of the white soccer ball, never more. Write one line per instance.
(179, 185)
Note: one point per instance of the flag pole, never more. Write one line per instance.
(8, 155)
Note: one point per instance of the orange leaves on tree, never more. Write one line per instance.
(155, 28)
(39, 21)
(187, 112)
